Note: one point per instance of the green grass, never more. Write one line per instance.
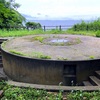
(87, 33)
(16, 33)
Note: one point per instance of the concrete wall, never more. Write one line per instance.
(49, 72)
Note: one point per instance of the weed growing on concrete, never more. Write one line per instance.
(39, 38)
(40, 55)
(61, 58)
(17, 53)
(91, 57)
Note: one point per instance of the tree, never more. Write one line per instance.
(33, 25)
(16, 5)
(3, 2)
(9, 17)
(12, 4)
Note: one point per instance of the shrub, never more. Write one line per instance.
(98, 34)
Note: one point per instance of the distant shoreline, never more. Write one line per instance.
(63, 23)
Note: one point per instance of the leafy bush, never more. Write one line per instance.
(87, 26)
(98, 34)
(18, 93)
(33, 25)
(80, 95)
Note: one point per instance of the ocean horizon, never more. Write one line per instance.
(53, 24)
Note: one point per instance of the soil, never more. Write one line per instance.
(78, 47)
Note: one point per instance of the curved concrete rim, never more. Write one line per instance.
(54, 88)
(49, 59)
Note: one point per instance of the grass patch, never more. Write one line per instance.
(91, 57)
(17, 53)
(40, 55)
(39, 38)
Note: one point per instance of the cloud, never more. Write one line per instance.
(38, 13)
(59, 7)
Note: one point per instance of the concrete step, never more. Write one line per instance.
(97, 74)
(87, 83)
(2, 75)
(94, 80)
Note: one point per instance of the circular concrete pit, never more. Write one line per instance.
(51, 59)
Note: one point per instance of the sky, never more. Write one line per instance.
(59, 8)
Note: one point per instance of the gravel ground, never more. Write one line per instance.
(87, 48)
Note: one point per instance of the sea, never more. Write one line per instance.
(55, 24)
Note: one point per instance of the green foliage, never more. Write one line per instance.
(98, 33)
(2, 85)
(87, 33)
(80, 95)
(9, 17)
(17, 93)
(33, 25)
(16, 33)
(90, 26)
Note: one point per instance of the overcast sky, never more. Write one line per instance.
(59, 8)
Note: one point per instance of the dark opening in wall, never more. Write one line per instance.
(69, 75)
